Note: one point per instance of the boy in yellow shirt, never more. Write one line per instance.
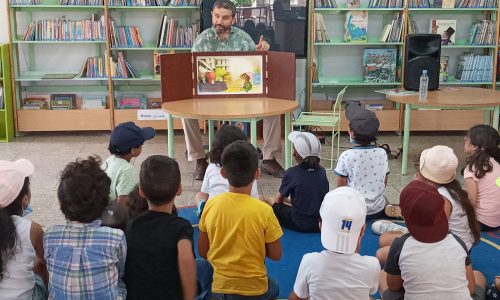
(237, 231)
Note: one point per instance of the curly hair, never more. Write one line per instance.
(486, 139)
(8, 240)
(84, 190)
(225, 136)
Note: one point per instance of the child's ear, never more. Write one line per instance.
(257, 174)
(141, 192)
(222, 172)
(25, 201)
(179, 190)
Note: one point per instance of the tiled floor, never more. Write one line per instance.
(50, 152)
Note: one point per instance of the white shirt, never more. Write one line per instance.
(366, 169)
(121, 173)
(214, 184)
(19, 279)
(331, 275)
(430, 271)
(458, 222)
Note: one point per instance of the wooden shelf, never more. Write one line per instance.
(64, 120)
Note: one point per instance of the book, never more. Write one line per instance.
(353, 3)
(379, 65)
(93, 102)
(62, 101)
(384, 35)
(397, 92)
(356, 27)
(58, 76)
(437, 3)
(156, 64)
(321, 35)
(443, 68)
(132, 102)
(34, 102)
(448, 4)
(445, 28)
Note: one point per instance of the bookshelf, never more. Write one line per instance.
(340, 63)
(6, 113)
(34, 59)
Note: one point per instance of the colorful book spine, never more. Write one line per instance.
(62, 29)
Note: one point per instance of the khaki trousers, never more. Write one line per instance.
(194, 144)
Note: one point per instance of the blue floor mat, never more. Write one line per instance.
(485, 256)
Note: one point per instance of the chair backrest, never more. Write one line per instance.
(337, 105)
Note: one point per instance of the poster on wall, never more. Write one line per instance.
(229, 75)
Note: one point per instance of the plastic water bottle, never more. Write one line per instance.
(424, 85)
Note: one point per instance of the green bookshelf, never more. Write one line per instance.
(6, 112)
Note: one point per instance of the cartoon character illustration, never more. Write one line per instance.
(247, 85)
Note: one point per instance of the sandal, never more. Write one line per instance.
(393, 211)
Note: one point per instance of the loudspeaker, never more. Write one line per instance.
(423, 52)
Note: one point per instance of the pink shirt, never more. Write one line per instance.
(488, 199)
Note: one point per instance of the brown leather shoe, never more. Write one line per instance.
(201, 167)
(272, 167)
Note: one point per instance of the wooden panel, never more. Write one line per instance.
(176, 76)
(124, 115)
(63, 120)
(281, 75)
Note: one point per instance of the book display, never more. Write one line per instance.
(6, 113)
(103, 53)
(469, 51)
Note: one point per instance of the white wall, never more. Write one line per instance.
(4, 37)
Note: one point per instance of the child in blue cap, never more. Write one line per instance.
(125, 143)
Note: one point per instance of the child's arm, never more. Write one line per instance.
(200, 196)
(187, 268)
(279, 198)
(341, 181)
(273, 249)
(36, 237)
(294, 296)
(471, 281)
(470, 186)
(203, 244)
(394, 282)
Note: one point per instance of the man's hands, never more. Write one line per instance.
(262, 45)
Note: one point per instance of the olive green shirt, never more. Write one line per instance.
(208, 41)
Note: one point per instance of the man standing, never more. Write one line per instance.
(222, 36)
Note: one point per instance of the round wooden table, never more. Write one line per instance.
(231, 109)
(449, 98)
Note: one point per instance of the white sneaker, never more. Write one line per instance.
(381, 226)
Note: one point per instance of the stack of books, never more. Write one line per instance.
(483, 33)
(321, 35)
(393, 32)
(475, 68)
(154, 2)
(24, 2)
(385, 4)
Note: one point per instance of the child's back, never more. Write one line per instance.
(152, 269)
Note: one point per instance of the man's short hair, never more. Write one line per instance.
(226, 4)
(159, 179)
(240, 161)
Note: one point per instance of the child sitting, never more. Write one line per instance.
(429, 263)
(305, 184)
(22, 266)
(482, 173)
(237, 231)
(125, 143)
(136, 204)
(339, 272)
(85, 259)
(437, 166)
(160, 260)
(213, 182)
(364, 167)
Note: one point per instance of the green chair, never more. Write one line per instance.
(325, 119)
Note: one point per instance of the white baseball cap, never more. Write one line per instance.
(12, 175)
(343, 214)
(305, 143)
(438, 164)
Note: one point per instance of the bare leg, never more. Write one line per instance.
(388, 237)
(382, 282)
(382, 254)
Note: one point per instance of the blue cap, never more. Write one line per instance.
(127, 135)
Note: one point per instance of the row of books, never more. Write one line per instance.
(452, 4)
(172, 35)
(154, 2)
(325, 4)
(62, 29)
(475, 68)
(482, 32)
(125, 36)
(83, 2)
(321, 35)
(24, 2)
(379, 65)
(476, 3)
(63, 102)
(95, 67)
(393, 32)
(385, 4)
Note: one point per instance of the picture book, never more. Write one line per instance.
(36, 102)
(229, 75)
(156, 64)
(446, 28)
(443, 68)
(448, 4)
(379, 65)
(132, 102)
(384, 35)
(353, 3)
(93, 102)
(62, 101)
(356, 27)
(396, 92)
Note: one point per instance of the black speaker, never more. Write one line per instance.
(423, 52)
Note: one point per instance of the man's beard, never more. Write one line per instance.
(221, 28)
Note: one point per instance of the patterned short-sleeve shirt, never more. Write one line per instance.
(208, 41)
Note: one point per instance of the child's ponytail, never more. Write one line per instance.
(486, 139)
(8, 240)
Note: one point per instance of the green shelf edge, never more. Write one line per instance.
(343, 9)
(154, 7)
(150, 48)
(57, 42)
(58, 7)
(357, 44)
(432, 9)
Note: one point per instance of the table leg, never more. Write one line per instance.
(406, 139)
(486, 117)
(253, 132)
(288, 146)
(211, 134)
(496, 114)
(170, 135)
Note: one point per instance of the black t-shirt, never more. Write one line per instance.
(306, 189)
(151, 270)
